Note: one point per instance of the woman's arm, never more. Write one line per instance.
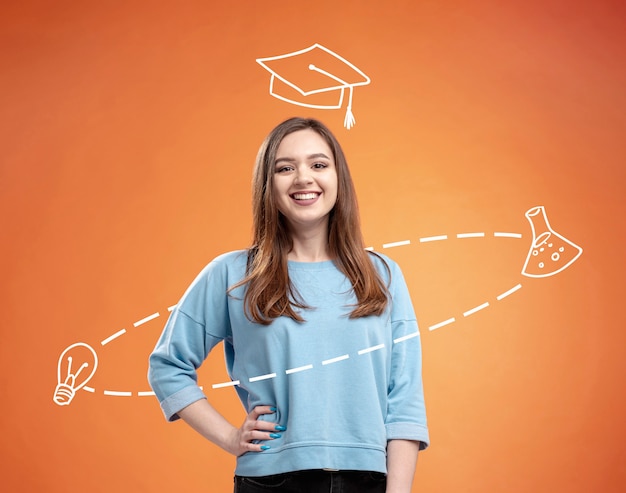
(205, 419)
(401, 461)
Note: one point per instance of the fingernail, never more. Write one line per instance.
(265, 447)
(280, 428)
(274, 435)
(273, 409)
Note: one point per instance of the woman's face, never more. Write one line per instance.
(305, 179)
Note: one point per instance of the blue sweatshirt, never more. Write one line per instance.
(342, 387)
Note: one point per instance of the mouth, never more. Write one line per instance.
(305, 196)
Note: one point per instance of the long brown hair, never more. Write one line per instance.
(269, 292)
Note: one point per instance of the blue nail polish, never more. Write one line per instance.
(265, 447)
(273, 409)
(275, 435)
(280, 428)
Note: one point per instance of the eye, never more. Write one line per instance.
(283, 169)
(320, 165)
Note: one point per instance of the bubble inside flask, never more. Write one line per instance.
(549, 252)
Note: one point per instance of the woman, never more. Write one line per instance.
(320, 336)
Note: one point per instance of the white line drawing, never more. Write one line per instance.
(396, 244)
(310, 366)
(146, 319)
(406, 337)
(442, 324)
(550, 252)
(314, 70)
(262, 377)
(433, 238)
(69, 379)
(298, 369)
(113, 337)
(370, 349)
(335, 360)
(509, 292)
(118, 393)
(66, 389)
(476, 309)
(232, 383)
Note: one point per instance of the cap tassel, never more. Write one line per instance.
(349, 121)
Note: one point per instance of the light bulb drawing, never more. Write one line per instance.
(77, 364)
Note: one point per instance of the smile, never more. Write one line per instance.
(305, 196)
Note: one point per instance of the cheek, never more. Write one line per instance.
(335, 185)
(276, 188)
(333, 193)
(280, 197)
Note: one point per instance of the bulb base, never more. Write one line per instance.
(63, 394)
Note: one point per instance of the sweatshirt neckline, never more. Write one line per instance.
(323, 265)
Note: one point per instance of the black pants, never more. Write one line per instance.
(314, 482)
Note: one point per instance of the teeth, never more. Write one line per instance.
(304, 196)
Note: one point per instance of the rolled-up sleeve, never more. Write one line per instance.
(406, 411)
(196, 325)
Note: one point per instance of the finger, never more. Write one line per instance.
(256, 441)
(265, 426)
(260, 435)
(259, 410)
(253, 447)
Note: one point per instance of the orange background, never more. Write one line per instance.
(128, 136)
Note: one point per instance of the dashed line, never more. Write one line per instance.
(442, 324)
(396, 244)
(118, 394)
(426, 239)
(262, 377)
(147, 319)
(334, 360)
(226, 384)
(406, 337)
(507, 293)
(114, 336)
(310, 366)
(476, 309)
(298, 369)
(370, 349)
(328, 361)
(371, 249)
(290, 371)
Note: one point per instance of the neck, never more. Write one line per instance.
(309, 245)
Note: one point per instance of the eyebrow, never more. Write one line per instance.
(309, 157)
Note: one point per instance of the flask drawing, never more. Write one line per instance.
(550, 252)
(70, 380)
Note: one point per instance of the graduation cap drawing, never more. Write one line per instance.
(314, 77)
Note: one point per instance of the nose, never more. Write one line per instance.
(303, 176)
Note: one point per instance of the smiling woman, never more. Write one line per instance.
(305, 291)
(305, 188)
